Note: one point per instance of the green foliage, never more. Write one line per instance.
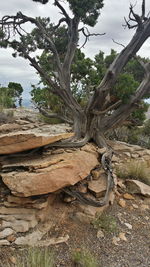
(146, 128)
(134, 170)
(15, 89)
(106, 223)
(84, 258)
(9, 95)
(43, 97)
(49, 120)
(125, 87)
(87, 10)
(6, 101)
(110, 58)
(134, 68)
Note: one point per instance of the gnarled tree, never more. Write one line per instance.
(101, 113)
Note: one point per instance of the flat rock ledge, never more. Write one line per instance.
(21, 141)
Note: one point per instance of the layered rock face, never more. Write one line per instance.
(31, 183)
(48, 174)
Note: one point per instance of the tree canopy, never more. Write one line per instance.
(10, 94)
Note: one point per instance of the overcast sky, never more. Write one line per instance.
(110, 22)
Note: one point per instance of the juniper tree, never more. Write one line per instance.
(100, 114)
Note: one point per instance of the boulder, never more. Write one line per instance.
(137, 187)
(49, 174)
(21, 141)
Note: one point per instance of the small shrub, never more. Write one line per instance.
(134, 170)
(106, 222)
(84, 258)
(146, 128)
(37, 257)
(49, 120)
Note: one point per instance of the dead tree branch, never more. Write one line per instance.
(137, 19)
(88, 34)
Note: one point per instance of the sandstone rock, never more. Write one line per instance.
(9, 127)
(137, 187)
(120, 183)
(4, 242)
(92, 211)
(122, 203)
(11, 238)
(122, 236)
(128, 196)
(100, 234)
(97, 173)
(19, 225)
(20, 141)
(33, 238)
(128, 225)
(69, 199)
(29, 239)
(26, 202)
(13, 260)
(115, 240)
(82, 188)
(115, 159)
(98, 187)
(15, 211)
(6, 232)
(51, 174)
(127, 154)
(135, 156)
(13, 217)
(89, 148)
(135, 206)
(52, 241)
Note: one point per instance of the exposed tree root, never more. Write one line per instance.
(106, 164)
(71, 142)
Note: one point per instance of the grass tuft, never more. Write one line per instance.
(106, 222)
(134, 170)
(84, 258)
(37, 257)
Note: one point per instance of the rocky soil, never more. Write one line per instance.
(34, 211)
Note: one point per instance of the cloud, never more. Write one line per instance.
(110, 22)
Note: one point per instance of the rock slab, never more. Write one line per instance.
(137, 187)
(17, 142)
(50, 174)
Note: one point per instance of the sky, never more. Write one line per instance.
(109, 22)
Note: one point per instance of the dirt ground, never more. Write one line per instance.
(127, 246)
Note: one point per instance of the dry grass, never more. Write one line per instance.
(37, 257)
(134, 170)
